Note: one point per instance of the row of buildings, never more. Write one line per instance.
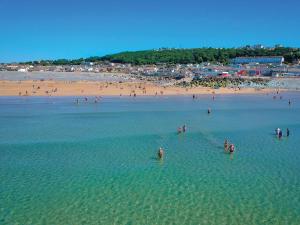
(241, 66)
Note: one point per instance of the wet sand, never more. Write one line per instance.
(92, 88)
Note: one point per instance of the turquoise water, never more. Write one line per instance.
(62, 163)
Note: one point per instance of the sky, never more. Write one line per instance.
(53, 29)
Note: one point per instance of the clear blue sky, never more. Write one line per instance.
(49, 29)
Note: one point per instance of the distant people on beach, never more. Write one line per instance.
(160, 153)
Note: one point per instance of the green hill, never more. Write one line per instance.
(181, 56)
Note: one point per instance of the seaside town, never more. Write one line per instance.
(264, 66)
(245, 74)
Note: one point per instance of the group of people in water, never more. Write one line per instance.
(278, 132)
(229, 147)
(96, 100)
(181, 129)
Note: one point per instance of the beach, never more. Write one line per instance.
(112, 84)
(96, 88)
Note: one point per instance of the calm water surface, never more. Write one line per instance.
(62, 163)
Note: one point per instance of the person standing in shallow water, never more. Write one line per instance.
(184, 128)
(280, 134)
(208, 111)
(160, 153)
(287, 132)
(226, 145)
(179, 130)
(231, 148)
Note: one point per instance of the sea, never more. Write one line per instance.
(96, 163)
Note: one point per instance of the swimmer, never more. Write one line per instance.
(290, 102)
(287, 132)
(160, 153)
(231, 148)
(277, 131)
(226, 145)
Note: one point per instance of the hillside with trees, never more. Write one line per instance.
(181, 56)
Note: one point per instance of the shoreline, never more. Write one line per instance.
(113, 88)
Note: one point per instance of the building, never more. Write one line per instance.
(259, 60)
(258, 46)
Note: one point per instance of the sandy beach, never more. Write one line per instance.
(93, 88)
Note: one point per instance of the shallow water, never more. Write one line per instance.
(62, 163)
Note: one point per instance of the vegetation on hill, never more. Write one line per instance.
(181, 56)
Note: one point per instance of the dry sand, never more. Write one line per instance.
(94, 88)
